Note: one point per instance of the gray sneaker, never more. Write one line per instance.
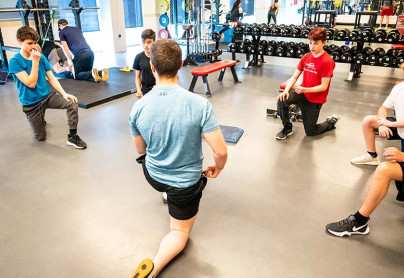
(75, 141)
(347, 227)
(332, 120)
(284, 133)
(366, 159)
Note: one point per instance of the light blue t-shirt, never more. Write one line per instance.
(171, 120)
(27, 95)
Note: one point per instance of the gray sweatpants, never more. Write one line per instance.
(36, 113)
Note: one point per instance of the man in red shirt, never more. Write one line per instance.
(317, 67)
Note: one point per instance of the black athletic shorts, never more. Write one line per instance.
(183, 203)
(399, 185)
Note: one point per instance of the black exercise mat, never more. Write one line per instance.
(91, 94)
(231, 134)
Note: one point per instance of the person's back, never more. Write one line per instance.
(75, 39)
(171, 120)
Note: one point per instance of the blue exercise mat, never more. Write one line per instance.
(231, 134)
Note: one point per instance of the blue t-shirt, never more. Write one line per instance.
(74, 39)
(171, 120)
(27, 95)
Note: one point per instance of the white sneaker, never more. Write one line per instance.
(366, 159)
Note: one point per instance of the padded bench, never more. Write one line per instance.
(397, 46)
(205, 70)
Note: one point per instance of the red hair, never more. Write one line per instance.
(318, 34)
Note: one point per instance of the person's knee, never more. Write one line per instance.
(369, 121)
(385, 170)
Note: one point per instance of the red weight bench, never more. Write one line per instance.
(294, 110)
(397, 46)
(205, 70)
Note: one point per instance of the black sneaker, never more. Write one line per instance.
(347, 227)
(75, 141)
(284, 133)
(332, 120)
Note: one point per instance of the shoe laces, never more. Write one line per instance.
(348, 221)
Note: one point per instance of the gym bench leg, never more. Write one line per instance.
(233, 71)
(206, 85)
(192, 87)
(222, 74)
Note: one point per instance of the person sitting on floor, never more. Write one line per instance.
(55, 55)
(318, 69)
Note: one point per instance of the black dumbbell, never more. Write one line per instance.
(388, 58)
(291, 51)
(275, 31)
(326, 48)
(393, 36)
(216, 37)
(252, 48)
(306, 31)
(342, 34)
(330, 34)
(232, 47)
(262, 49)
(333, 47)
(297, 32)
(265, 30)
(347, 57)
(380, 36)
(242, 47)
(354, 35)
(399, 59)
(270, 51)
(239, 30)
(247, 30)
(366, 35)
(273, 43)
(375, 58)
(256, 30)
(336, 55)
(360, 58)
(262, 25)
(286, 31)
(302, 49)
(280, 51)
(368, 50)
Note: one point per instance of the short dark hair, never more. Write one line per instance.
(166, 57)
(318, 34)
(27, 33)
(62, 22)
(148, 34)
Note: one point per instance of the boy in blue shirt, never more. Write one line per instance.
(30, 69)
(166, 127)
(144, 77)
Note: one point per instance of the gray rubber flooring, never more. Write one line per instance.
(68, 213)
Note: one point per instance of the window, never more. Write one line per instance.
(247, 5)
(133, 13)
(89, 18)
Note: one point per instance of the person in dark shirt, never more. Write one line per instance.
(144, 76)
(236, 13)
(73, 42)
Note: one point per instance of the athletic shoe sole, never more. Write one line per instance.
(373, 163)
(105, 75)
(144, 269)
(97, 77)
(347, 233)
(74, 145)
(283, 138)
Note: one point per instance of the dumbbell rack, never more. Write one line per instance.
(332, 34)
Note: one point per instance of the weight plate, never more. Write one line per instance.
(163, 34)
(164, 6)
(164, 20)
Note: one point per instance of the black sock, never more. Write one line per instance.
(362, 220)
(73, 131)
(373, 154)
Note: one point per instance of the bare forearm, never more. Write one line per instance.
(316, 89)
(220, 159)
(397, 124)
(382, 113)
(33, 76)
(290, 84)
(138, 84)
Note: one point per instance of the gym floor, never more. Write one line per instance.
(70, 213)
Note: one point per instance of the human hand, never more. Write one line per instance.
(69, 97)
(393, 154)
(385, 132)
(383, 122)
(139, 94)
(283, 96)
(299, 89)
(35, 55)
(212, 171)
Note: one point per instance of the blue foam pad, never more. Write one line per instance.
(231, 134)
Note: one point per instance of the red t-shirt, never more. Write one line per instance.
(313, 70)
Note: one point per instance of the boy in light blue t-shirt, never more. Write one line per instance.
(30, 69)
(167, 126)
